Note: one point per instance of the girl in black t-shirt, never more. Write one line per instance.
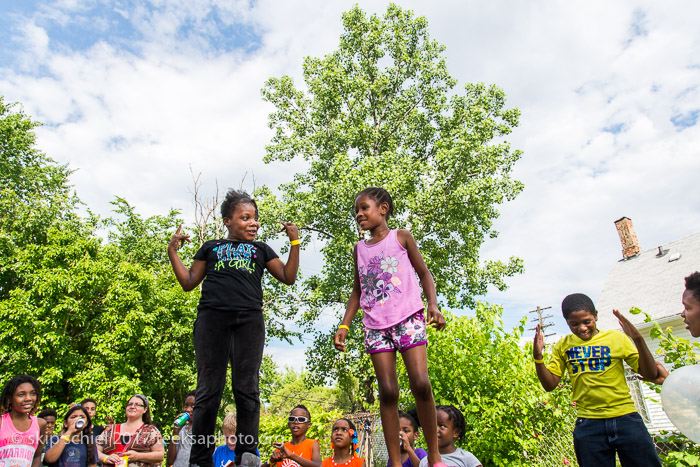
(230, 325)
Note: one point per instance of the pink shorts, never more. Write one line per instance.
(401, 336)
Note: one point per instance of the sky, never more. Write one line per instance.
(138, 95)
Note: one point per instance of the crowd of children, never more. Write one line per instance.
(390, 278)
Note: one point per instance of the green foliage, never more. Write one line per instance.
(486, 372)
(90, 320)
(382, 110)
(24, 170)
(682, 452)
(292, 388)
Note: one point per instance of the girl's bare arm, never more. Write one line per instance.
(426, 278)
(351, 308)
(188, 278)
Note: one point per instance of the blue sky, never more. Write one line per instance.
(133, 93)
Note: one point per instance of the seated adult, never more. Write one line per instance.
(135, 441)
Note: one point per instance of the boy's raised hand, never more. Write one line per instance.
(178, 239)
(435, 318)
(627, 326)
(538, 344)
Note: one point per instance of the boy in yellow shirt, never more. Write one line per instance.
(608, 421)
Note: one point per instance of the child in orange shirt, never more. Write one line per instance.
(300, 452)
(344, 444)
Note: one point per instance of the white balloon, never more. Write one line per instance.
(680, 395)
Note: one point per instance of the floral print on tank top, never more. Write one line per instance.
(378, 281)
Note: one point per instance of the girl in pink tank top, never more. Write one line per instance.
(387, 290)
(21, 433)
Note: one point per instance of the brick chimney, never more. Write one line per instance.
(628, 238)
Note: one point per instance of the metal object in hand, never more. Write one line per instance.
(181, 420)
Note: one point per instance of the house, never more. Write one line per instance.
(652, 280)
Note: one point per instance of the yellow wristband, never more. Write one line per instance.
(294, 242)
(538, 361)
(66, 438)
(342, 326)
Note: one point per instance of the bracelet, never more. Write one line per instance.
(342, 326)
(538, 361)
(66, 438)
(294, 242)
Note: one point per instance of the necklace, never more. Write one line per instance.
(347, 463)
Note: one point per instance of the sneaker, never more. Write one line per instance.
(249, 459)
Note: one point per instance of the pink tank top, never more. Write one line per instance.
(390, 289)
(17, 448)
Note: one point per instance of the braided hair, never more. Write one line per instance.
(379, 195)
(454, 414)
(354, 444)
(9, 391)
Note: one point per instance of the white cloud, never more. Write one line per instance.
(35, 40)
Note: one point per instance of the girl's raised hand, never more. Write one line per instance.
(178, 239)
(71, 429)
(339, 339)
(435, 318)
(403, 438)
(291, 229)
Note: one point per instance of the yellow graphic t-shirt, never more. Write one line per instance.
(597, 373)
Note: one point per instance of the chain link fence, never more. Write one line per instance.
(556, 449)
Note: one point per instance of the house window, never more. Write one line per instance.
(637, 394)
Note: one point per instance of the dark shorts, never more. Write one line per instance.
(401, 336)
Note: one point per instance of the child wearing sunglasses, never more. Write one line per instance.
(300, 452)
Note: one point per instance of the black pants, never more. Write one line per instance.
(220, 337)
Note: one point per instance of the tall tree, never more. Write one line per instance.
(382, 110)
(34, 191)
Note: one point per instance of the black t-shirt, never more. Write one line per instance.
(97, 430)
(234, 274)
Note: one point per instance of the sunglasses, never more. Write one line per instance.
(294, 419)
